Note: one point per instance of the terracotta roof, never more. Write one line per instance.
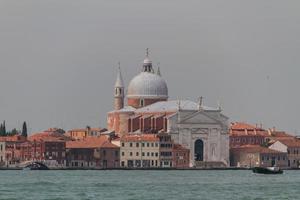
(90, 143)
(77, 130)
(15, 138)
(140, 137)
(280, 134)
(246, 132)
(253, 149)
(291, 142)
(241, 126)
(48, 136)
(85, 129)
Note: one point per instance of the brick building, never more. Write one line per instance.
(92, 152)
(10, 150)
(48, 146)
(180, 156)
(291, 147)
(257, 156)
(81, 133)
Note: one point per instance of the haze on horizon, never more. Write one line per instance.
(58, 59)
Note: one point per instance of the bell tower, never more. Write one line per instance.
(119, 91)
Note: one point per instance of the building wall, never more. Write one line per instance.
(2, 154)
(246, 139)
(268, 160)
(293, 157)
(109, 157)
(293, 153)
(181, 158)
(245, 159)
(278, 146)
(133, 154)
(135, 102)
(213, 134)
(165, 150)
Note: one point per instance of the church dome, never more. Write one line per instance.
(148, 85)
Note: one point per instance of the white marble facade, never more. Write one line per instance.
(210, 126)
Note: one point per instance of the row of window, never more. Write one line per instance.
(273, 158)
(137, 144)
(296, 151)
(167, 153)
(143, 154)
(250, 140)
(167, 145)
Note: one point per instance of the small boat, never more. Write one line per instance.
(267, 170)
(36, 166)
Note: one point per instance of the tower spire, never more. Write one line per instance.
(119, 81)
(119, 90)
(158, 69)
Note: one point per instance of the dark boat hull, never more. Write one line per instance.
(37, 166)
(262, 170)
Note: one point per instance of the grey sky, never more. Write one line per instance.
(58, 58)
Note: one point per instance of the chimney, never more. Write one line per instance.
(273, 129)
(269, 132)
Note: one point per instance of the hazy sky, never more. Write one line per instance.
(58, 58)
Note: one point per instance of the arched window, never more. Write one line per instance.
(142, 102)
(199, 150)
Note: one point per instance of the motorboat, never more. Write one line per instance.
(36, 166)
(267, 170)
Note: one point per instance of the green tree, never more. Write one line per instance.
(1, 130)
(4, 128)
(13, 132)
(24, 130)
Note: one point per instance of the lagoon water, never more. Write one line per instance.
(146, 185)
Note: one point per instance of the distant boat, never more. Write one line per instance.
(36, 166)
(267, 170)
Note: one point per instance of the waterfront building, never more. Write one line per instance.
(2, 153)
(201, 129)
(246, 134)
(10, 149)
(92, 152)
(140, 150)
(165, 150)
(291, 147)
(81, 133)
(49, 146)
(257, 156)
(180, 156)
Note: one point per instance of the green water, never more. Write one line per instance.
(143, 185)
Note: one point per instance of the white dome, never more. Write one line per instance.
(147, 85)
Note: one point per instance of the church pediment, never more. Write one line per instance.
(199, 118)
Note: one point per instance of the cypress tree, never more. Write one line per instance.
(4, 128)
(1, 130)
(24, 130)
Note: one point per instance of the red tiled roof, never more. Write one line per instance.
(249, 133)
(254, 149)
(241, 126)
(280, 134)
(290, 142)
(15, 138)
(90, 142)
(140, 137)
(49, 136)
